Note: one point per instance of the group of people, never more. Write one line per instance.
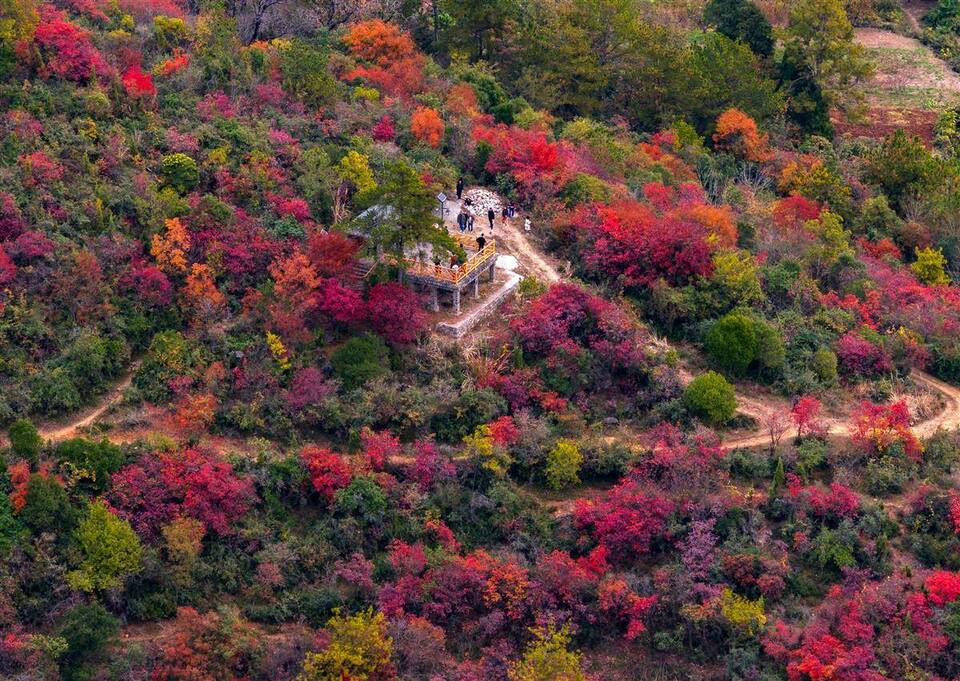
(466, 218)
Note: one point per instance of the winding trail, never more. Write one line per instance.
(510, 234)
(58, 432)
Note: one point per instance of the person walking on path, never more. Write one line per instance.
(462, 221)
(470, 221)
(526, 224)
(491, 216)
(481, 242)
(459, 188)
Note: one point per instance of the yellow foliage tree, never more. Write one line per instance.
(741, 612)
(563, 465)
(548, 659)
(930, 266)
(359, 648)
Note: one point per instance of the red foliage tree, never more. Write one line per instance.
(193, 482)
(65, 49)
(630, 242)
(539, 166)
(137, 83)
(860, 357)
(308, 388)
(208, 647)
(328, 471)
(8, 270)
(379, 447)
(805, 414)
(396, 312)
(338, 303)
(332, 254)
(12, 224)
(791, 212)
(384, 130)
(626, 521)
(877, 427)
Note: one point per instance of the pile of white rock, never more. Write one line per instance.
(483, 200)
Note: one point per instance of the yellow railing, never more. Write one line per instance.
(444, 273)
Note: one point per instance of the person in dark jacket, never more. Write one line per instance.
(481, 242)
(459, 188)
(491, 216)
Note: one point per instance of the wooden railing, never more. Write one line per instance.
(444, 273)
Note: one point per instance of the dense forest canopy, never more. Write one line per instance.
(708, 430)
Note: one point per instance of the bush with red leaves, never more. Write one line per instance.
(627, 521)
(66, 50)
(328, 471)
(859, 357)
(396, 313)
(636, 244)
(138, 83)
(194, 482)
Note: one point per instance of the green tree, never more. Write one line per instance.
(180, 172)
(807, 105)
(901, 167)
(25, 440)
(362, 499)
(404, 214)
(929, 266)
(726, 74)
(477, 22)
(733, 343)
(87, 629)
(304, 73)
(741, 20)
(47, 507)
(563, 465)
(92, 463)
(779, 479)
(360, 359)
(109, 547)
(11, 529)
(820, 37)
(711, 397)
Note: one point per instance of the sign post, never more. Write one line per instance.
(442, 198)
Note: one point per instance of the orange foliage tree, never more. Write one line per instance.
(193, 414)
(427, 126)
(379, 42)
(201, 293)
(295, 281)
(737, 133)
(396, 64)
(462, 101)
(170, 249)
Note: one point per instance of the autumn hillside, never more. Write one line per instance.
(700, 422)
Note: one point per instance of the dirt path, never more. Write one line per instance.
(510, 233)
(57, 432)
(511, 240)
